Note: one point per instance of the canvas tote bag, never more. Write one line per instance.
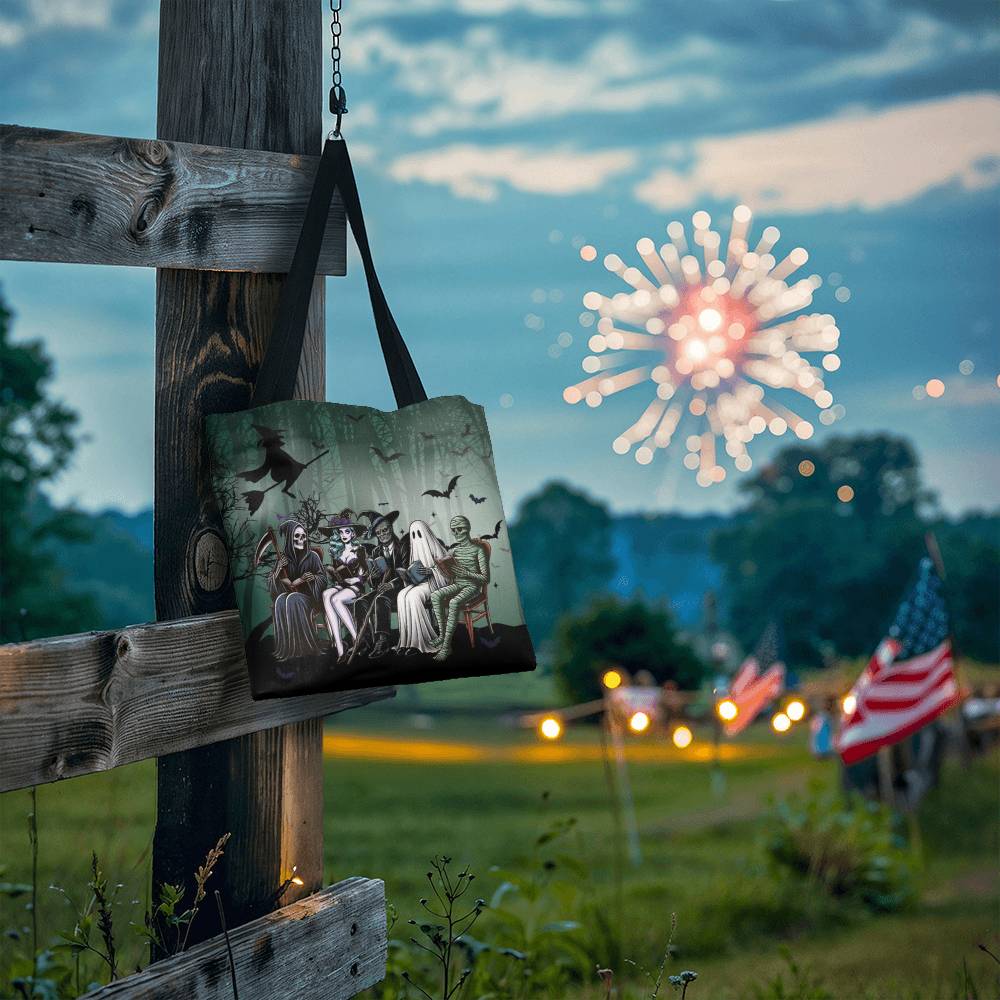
(366, 546)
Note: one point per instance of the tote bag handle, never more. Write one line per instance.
(276, 376)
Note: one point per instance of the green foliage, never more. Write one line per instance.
(803, 984)
(832, 572)
(970, 550)
(37, 439)
(846, 849)
(563, 540)
(621, 633)
(531, 942)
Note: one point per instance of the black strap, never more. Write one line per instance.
(276, 376)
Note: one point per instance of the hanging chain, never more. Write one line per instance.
(338, 96)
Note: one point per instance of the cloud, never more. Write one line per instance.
(472, 171)
(41, 15)
(866, 160)
(482, 81)
(379, 9)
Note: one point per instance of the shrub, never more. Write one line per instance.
(846, 848)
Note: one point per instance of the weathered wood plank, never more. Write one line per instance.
(91, 702)
(96, 199)
(328, 946)
(238, 73)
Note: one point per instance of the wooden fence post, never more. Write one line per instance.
(248, 74)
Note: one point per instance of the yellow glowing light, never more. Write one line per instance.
(727, 709)
(611, 679)
(639, 722)
(710, 320)
(551, 728)
(806, 468)
(682, 737)
(845, 494)
(795, 710)
(935, 388)
(781, 723)
(297, 881)
(849, 704)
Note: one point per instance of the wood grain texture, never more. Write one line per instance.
(241, 74)
(328, 947)
(95, 199)
(91, 702)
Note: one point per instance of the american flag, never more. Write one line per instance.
(751, 690)
(910, 679)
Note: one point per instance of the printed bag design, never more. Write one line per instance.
(366, 547)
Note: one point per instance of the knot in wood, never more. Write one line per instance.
(211, 561)
(150, 163)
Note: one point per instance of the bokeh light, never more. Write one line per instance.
(845, 493)
(550, 727)
(849, 704)
(727, 709)
(806, 468)
(639, 722)
(934, 388)
(795, 710)
(780, 723)
(682, 737)
(611, 679)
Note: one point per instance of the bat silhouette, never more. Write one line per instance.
(356, 419)
(387, 458)
(496, 531)
(476, 499)
(426, 436)
(464, 451)
(383, 503)
(443, 493)
(467, 431)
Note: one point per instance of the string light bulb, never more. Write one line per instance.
(849, 704)
(611, 679)
(727, 709)
(682, 737)
(639, 722)
(550, 728)
(795, 710)
(780, 723)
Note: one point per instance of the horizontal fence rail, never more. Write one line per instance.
(328, 946)
(90, 702)
(95, 199)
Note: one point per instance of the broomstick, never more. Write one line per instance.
(255, 498)
(367, 618)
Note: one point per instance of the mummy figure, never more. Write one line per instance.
(416, 632)
(470, 573)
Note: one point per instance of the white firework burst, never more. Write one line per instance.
(717, 332)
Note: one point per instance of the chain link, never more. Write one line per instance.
(338, 97)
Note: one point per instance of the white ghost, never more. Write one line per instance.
(416, 629)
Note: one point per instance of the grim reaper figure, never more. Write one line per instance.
(296, 583)
(423, 577)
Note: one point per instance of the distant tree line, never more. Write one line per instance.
(831, 570)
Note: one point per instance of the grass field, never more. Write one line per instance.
(701, 846)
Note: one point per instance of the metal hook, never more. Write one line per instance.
(338, 107)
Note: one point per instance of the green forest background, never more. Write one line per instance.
(830, 572)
